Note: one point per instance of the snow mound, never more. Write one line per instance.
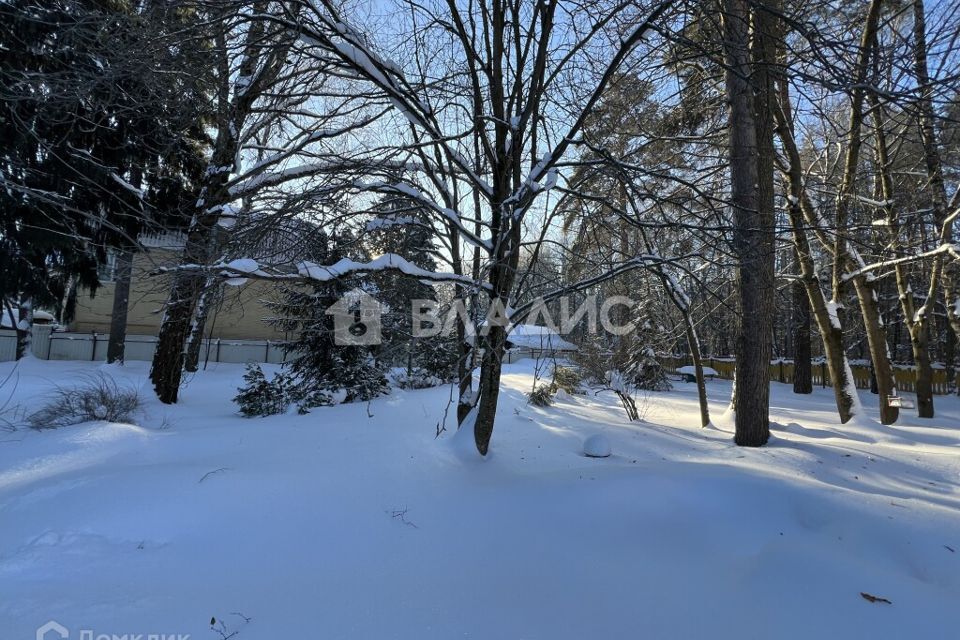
(596, 446)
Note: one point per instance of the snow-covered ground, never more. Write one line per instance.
(340, 525)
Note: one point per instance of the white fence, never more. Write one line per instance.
(59, 345)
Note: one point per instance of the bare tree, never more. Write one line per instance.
(264, 86)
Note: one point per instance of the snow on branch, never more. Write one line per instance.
(272, 178)
(307, 272)
(411, 192)
(866, 269)
(126, 185)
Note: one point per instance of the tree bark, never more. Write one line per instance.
(802, 365)
(209, 299)
(751, 192)
(489, 387)
(121, 303)
(694, 343)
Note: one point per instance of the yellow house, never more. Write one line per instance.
(240, 315)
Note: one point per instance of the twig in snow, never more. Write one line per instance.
(210, 473)
(871, 598)
(401, 515)
(221, 628)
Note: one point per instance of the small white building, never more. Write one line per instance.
(535, 341)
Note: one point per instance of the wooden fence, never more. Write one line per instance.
(781, 370)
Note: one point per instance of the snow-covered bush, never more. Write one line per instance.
(647, 372)
(542, 395)
(593, 359)
(261, 397)
(316, 398)
(99, 397)
(566, 381)
(415, 378)
(567, 378)
(437, 356)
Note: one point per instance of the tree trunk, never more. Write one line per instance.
(924, 372)
(262, 59)
(917, 320)
(206, 304)
(24, 328)
(828, 322)
(950, 267)
(877, 342)
(121, 302)
(802, 366)
(68, 305)
(949, 355)
(489, 389)
(751, 199)
(844, 254)
(694, 343)
(166, 371)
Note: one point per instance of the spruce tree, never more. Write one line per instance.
(401, 227)
(322, 371)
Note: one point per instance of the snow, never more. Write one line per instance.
(832, 307)
(690, 370)
(385, 222)
(533, 336)
(243, 265)
(126, 185)
(597, 446)
(387, 261)
(336, 524)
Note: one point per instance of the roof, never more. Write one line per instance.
(40, 317)
(690, 370)
(532, 336)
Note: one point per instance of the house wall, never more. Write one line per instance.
(241, 315)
